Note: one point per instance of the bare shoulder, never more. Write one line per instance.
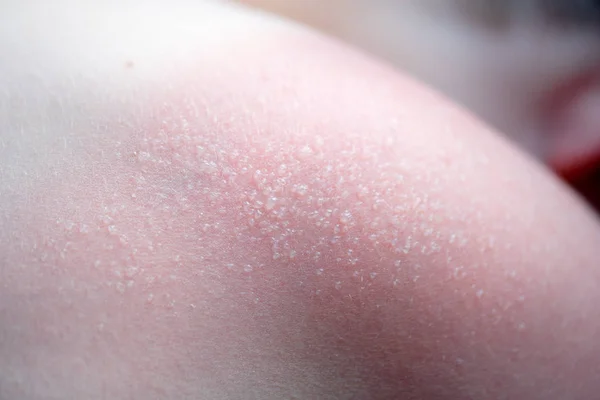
(203, 189)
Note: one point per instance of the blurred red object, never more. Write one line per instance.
(585, 178)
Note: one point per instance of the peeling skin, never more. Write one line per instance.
(243, 210)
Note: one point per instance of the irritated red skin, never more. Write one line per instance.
(269, 215)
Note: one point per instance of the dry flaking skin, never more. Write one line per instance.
(302, 224)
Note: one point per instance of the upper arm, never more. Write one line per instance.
(241, 211)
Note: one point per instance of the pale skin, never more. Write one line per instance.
(529, 68)
(229, 207)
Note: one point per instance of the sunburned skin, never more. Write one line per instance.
(530, 68)
(229, 207)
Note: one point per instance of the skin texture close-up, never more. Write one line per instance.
(529, 68)
(203, 202)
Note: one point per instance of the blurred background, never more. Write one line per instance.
(529, 68)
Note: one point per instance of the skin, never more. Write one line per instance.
(534, 77)
(245, 210)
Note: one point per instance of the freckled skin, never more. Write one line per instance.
(250, 212)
